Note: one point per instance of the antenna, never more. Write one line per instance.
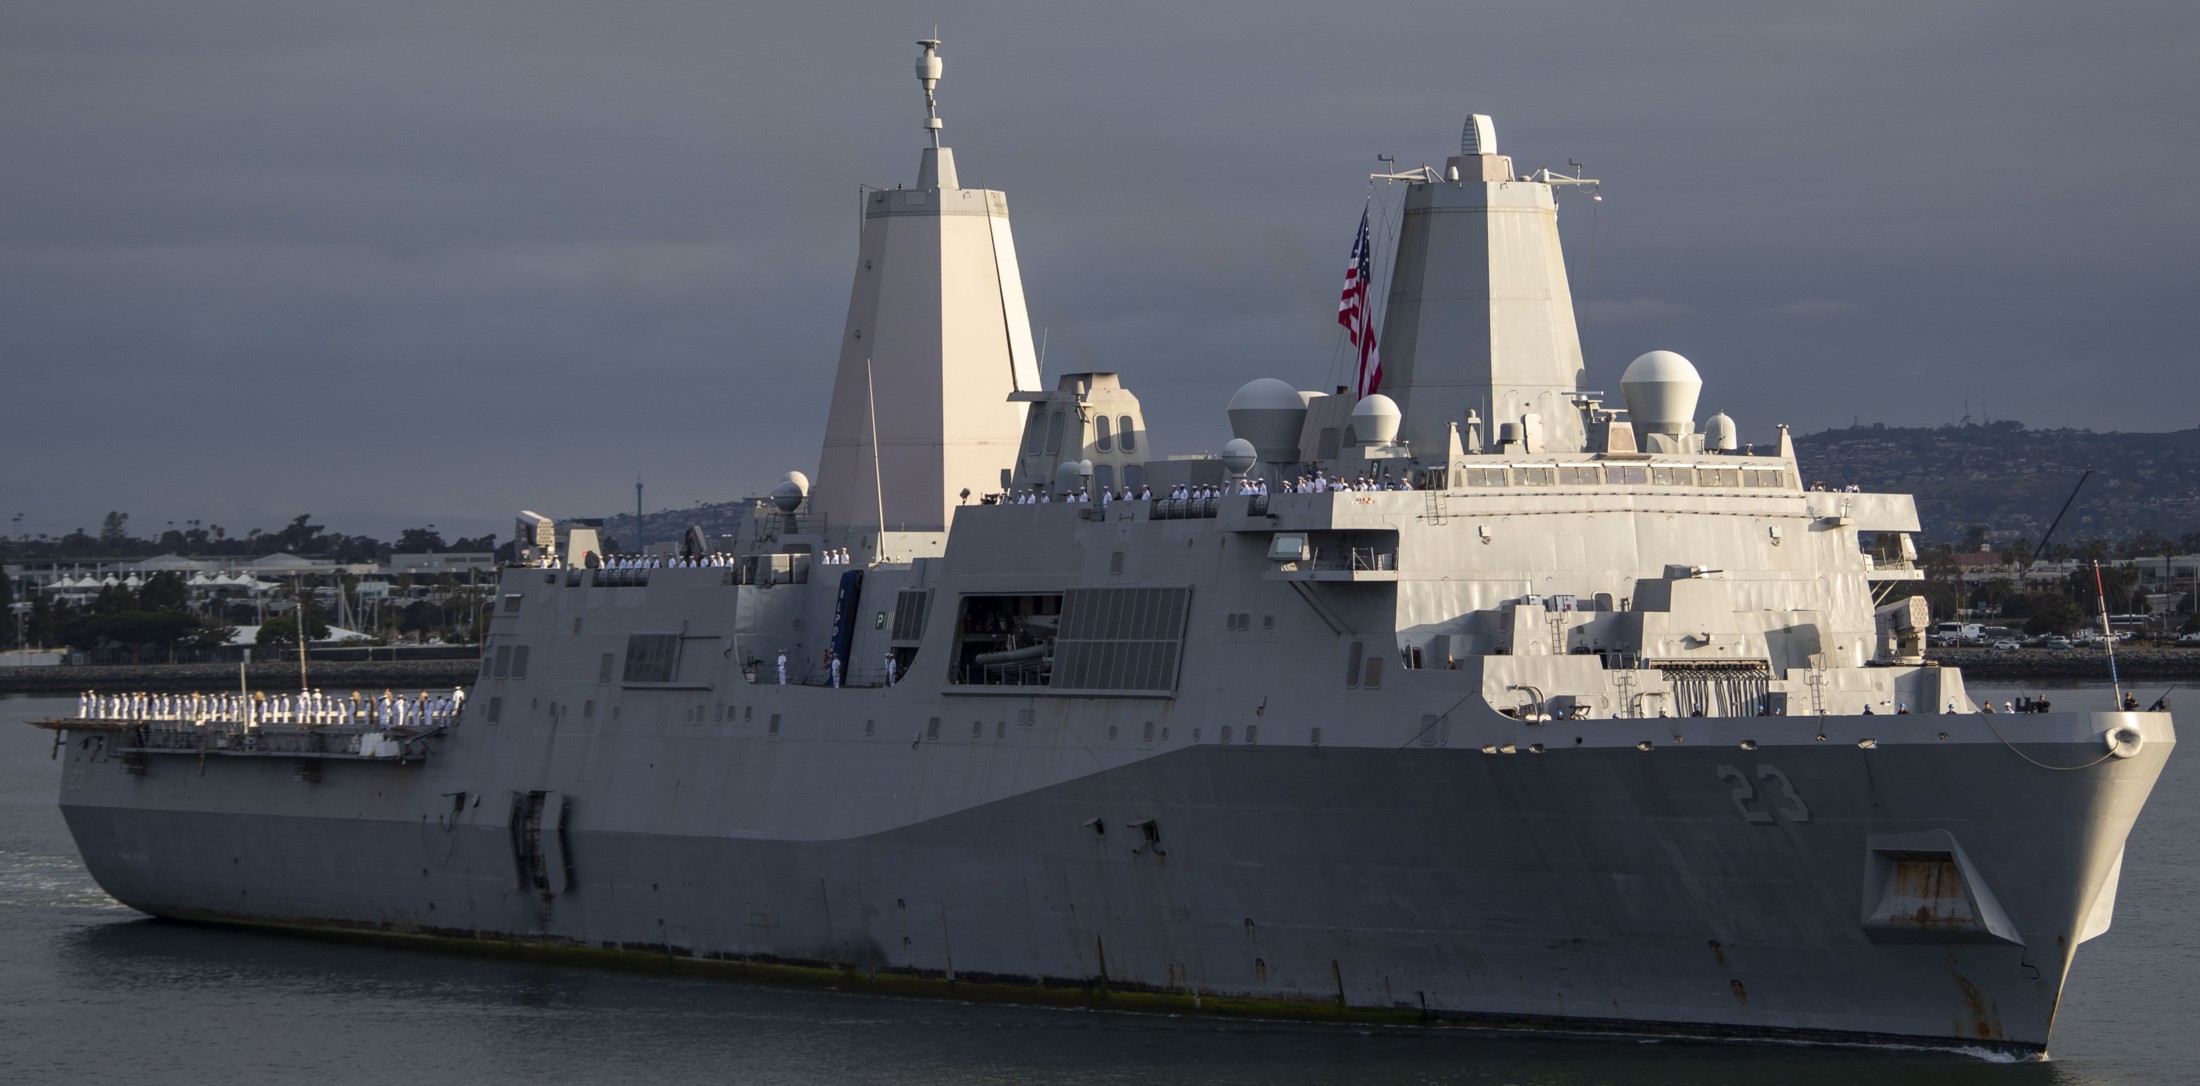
(638, 547)
(1478, 136)
(928, 75)
(878, 486)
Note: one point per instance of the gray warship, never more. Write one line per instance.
(1473, 700)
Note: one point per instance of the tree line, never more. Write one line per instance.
(198, 539)
(2072, 602)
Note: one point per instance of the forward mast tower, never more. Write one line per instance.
(936, 341)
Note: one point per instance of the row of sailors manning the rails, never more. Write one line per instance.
(1314, 484)
(1317, 483)
(306, 708)
(2019, 705)
(1320, 482)
(716, 560)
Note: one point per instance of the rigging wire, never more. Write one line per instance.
(1989, 718)
(1379, 241)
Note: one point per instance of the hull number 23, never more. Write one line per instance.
(1779, 795)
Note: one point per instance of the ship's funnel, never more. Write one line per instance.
(1269, 413)
(1661, 390)
(1375, 420)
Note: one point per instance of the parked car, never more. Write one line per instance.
(2192, 638)
(2008, 645)
(2059, 643)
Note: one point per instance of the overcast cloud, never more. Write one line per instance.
(403, 263)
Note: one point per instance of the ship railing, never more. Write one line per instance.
(1353, 559)
(191, 713)
(770, 569)
(234, 738)
(1184, 508)
(134, 739)
(765, 673)
(1022, 673)
(768, 524)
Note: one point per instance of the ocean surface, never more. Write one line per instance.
(91, 992)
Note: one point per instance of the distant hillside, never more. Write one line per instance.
(2009, 478)
(717, 519)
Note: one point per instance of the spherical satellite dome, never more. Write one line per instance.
(791, 490)
(1375, 419)
(1268, 413)
(1238, 456)
(1065, 477)
(1661, 390)
(1719, 434)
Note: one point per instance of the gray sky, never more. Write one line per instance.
(403, 263)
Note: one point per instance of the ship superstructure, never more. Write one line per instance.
(1477, 699)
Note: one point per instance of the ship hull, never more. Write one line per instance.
(1599, 887)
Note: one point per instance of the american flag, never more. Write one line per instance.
(1358, 317)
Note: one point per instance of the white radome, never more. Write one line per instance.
(1375, 419)
(789, 492)
(1238, 456)
(1268, 413)
(1661, 389)
(1719, 433)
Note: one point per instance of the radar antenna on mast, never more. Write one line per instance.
(928, 74)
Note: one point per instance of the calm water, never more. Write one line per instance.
(91, 992)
